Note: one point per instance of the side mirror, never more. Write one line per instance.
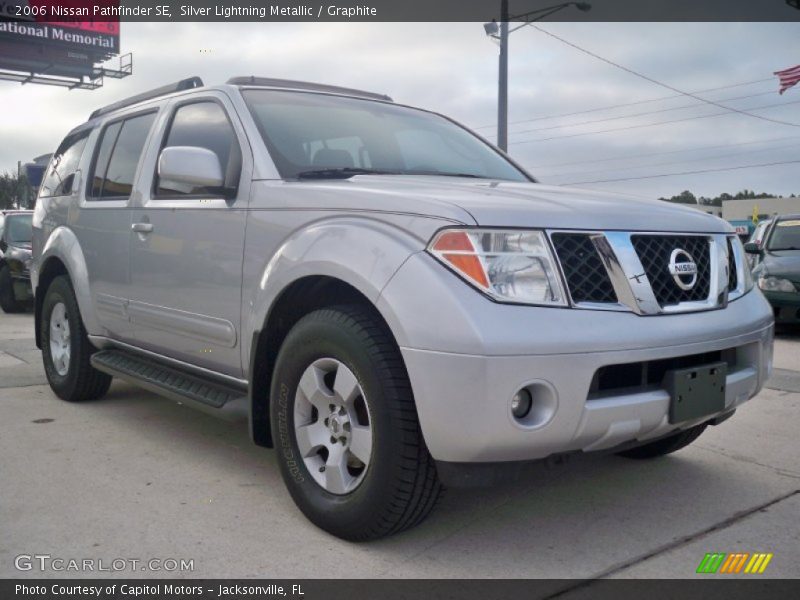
(752, 248)
(190, 167)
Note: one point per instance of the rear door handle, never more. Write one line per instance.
(142, 227)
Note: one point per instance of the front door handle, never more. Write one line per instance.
(142, 227)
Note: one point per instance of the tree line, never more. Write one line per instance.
(687, 197)
(15, 192)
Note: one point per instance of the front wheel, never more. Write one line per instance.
(345, 426)
(665, 446)
(65, 347)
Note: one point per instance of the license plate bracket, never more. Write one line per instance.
(696, 391)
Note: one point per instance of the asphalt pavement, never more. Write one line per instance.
(135, 476)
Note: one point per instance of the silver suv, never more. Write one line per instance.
(390, 301)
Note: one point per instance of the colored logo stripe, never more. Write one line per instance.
(759, 562)
(734, 563)
(721, 562)
(711, 562)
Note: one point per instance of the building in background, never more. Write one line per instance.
(739, 213)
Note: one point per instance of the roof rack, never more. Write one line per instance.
(305, 85)
(179, 86)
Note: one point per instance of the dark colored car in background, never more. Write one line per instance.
(15, 260)
(778, 268)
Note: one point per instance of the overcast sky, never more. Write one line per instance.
(452, 68)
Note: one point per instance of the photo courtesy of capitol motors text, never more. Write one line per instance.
(161, 590)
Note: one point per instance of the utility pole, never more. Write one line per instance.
(502, 80)
(500, 32)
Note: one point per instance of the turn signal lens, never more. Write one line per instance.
(456, 248)
(508, 265)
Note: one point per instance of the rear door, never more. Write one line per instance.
(103, 224)
(186, 257)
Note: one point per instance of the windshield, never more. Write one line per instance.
(19, 229)
(321, 135)
(785, 235)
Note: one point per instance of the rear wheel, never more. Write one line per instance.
(65, 347)
(665, 446)
(8, 300)
(343, 417)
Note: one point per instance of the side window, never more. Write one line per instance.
(61, 171)
(205, 125)
(118, 153)
(107, 140)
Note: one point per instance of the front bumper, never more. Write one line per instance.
(785, 305)
(463, 396)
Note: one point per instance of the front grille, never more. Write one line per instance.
(733, 281)
(654, 253)
(586, 276)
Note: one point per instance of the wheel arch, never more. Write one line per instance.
(296, 300)
(62, 247)
(51, 268)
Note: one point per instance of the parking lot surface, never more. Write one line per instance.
(136, 476)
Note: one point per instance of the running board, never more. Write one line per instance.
(204, 393)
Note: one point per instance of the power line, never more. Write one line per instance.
(737, 168)
(674, 162)
(720, 114)
(659, 83)
(609, 107)
(641, 114)
(663, 152)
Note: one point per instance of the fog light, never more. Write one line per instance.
(521, 404)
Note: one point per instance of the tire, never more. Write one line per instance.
(73, 379)
(665, 446)
(391, 487)
(8, 301)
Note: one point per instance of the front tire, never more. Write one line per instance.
(665, 446)
(345, 427)
(8, 300)
(65, 347)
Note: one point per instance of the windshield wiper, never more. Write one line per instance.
(342, 173)
(444, 174)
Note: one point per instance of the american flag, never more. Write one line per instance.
(788, 77)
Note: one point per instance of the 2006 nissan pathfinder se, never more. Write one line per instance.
(395, 304)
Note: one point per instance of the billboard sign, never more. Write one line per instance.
(59, 38)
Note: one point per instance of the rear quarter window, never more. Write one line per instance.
(60, 175)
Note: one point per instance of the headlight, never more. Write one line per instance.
(508, 265)
(775, 284)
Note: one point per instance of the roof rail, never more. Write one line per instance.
(178, 86)
(305, 85)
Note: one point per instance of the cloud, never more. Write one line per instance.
(452, 68)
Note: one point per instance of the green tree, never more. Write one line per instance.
(15, 191)
(685, 197)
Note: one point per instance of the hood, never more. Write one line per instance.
(511, 204)
(784, 263)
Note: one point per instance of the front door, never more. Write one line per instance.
(187, 245)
